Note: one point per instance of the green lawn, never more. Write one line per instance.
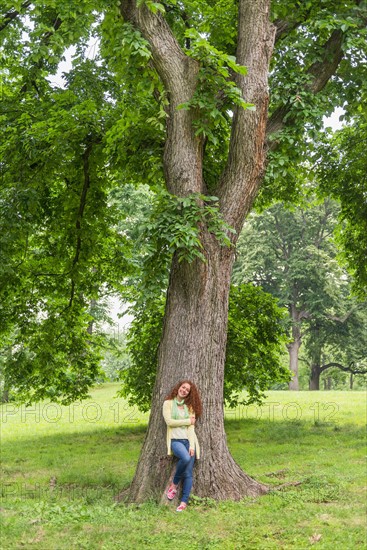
(62, 466)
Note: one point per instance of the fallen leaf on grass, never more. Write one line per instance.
(314, 538)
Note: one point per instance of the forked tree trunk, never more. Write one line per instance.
(193, 346)
(195, 327)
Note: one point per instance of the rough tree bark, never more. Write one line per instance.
(194, 335)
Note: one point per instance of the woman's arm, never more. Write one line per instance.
(171, 421)
(191, 437)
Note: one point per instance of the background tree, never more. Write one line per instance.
(291, 253)
(175, 107)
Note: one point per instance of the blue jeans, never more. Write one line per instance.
(185, 465)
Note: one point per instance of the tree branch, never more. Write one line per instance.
(346, 316)
(320, 73)
(13, 14)
(78, 223)
(171, 63)
(283, 28)
(83, 201)
(244, 170)
(345, 369)
(323, 70)
(178, 72)
(56, 24)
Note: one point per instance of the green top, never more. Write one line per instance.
(175, 412)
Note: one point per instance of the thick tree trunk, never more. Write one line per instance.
(316, 358)
(315, 377)
(193, 346)
(293, 347)
(293, 350)
(195, 327)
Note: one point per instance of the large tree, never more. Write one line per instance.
(178, 106)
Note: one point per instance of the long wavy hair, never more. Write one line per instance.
(192, 400)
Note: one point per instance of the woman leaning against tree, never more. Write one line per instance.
(180, 410)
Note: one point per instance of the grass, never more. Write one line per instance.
(62, 467)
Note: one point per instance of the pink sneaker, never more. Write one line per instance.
(182, 507)
(171, 492)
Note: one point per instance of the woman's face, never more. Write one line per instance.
(183, 390)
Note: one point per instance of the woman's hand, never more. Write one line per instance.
(191, 452)
(192, 419)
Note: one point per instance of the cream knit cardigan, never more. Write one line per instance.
(173, 423)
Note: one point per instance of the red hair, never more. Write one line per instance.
(192, 400)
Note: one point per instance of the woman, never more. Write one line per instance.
(180, 410)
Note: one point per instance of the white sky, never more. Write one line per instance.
(333, 120)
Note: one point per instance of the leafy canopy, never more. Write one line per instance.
(67, 150)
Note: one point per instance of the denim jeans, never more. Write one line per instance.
(185, 465)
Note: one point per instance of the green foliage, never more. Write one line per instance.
(171, 225)
(142, 345)
(341, 171)
(256, 337)
(338, 338)
(295, 55)
(215, 73)
(60, 249)
(68, 149)
(115, 356)
(256, 334)
(53, 358)
(291, 253)
(175, 225)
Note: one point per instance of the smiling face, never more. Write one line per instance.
(183, 390)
